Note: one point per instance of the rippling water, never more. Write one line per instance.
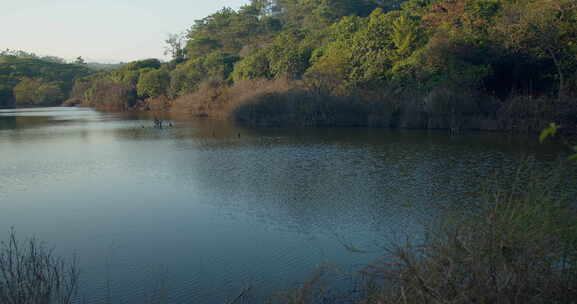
(204, 208)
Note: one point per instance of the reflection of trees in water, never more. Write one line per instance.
(31, 124)
(24, 122)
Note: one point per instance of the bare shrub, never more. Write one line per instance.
(31, 274)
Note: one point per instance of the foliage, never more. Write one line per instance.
(360, 53)
(548, 132)
(142, 64)
(49, 78)
(153, 83)
(6, 96)
(107, 94)
(320, 13)
(228, 30)
(542, 29)
(37, 92)
(551, 131)
(216, 66)
(291, 62)
(254, 66)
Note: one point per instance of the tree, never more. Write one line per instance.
(186, 77)
(56, 77)
(254, 66)
(404, 35)
(291, 62)
(79, 61)
(34, 91)
(219, 65)
(175, 47)
(360, 55)
(53, 59)
(153, 83)
(142, 64)
(544, 29)
(201, 46)
(6, 97)
(18, 53)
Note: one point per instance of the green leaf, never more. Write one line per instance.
(574, 156)
(548, 132)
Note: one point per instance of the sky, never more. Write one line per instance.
(100, 30)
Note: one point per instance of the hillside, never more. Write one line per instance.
(483, 64)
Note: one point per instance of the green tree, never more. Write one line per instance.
(153, 83)
(79, 60)
(16, 65)
(6, 97)
(404, 36)
(545, 29)
(254, 66)
(291, 62)
(31, 92)
(201, 46)
(360, 55)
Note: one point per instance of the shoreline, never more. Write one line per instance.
(282, 103)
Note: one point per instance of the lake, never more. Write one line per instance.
(202, 209)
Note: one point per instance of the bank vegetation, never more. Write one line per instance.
(448, 64)
(28, 80)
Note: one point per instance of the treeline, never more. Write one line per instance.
(29, 80)
(487, 64)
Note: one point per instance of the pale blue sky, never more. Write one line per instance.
(99, 30)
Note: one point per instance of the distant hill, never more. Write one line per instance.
(104, 66)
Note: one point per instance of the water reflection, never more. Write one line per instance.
(212, 207)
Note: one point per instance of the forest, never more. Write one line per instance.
(29, 80)
(448, 64)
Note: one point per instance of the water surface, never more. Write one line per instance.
(204, 208)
